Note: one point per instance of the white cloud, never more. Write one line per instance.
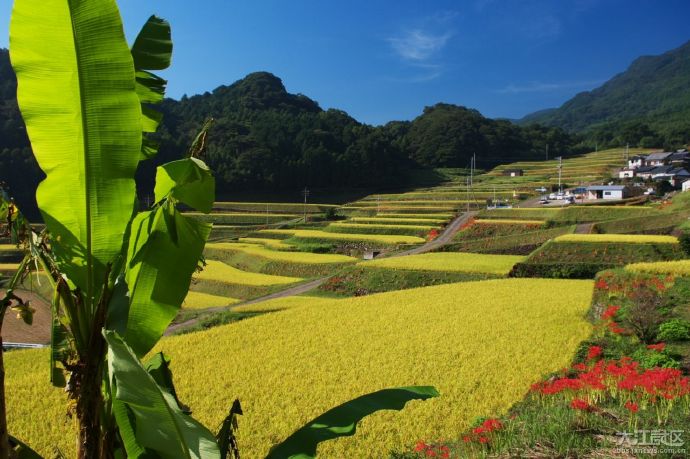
(418, 45)
(538, 86)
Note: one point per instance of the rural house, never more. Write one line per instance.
(657, 159)
(635, 162)
(607, 192)
(626, 173)
(514, 172)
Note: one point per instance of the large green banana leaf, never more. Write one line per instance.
(188, 180)
(164, 250)
(151, 422)
(76, 92)
(152, 50)
(342, 420)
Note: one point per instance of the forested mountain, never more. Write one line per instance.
(266, 139)
(647, 105)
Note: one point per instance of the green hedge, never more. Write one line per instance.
(559, 270)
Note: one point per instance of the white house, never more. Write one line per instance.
(635, 162)
(626, 173)
(607, 192)
(657, 159)
(686, 186)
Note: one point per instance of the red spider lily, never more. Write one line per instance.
(594, 352)
(579, 404)
(558, 385)
(483, 440)
(615, 328)
(491, 425)
(420, 446)
(632, 407)
(433, 234)
(580, 367)
(610, 312)
(657, 347)
(602, 284)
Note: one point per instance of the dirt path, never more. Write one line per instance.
(584, 228)
(297, 290)
(444, 238)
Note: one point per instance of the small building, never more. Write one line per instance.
(514, 172)
(686, 186)
(679, 158)
(645, 172)
(635, 162)
(626, 173)
(607, 192)
(371, 254)
(657, 159)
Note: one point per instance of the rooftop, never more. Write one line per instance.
(606, 188)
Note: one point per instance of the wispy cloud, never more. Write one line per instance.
(418, 45)
(538, 86)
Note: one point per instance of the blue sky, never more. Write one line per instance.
(385, 60)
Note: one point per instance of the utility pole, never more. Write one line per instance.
(547, 151)
(306, 193)
(627, 148)
(266, 213)
(378, 204)
(560, 171)
(467, 180)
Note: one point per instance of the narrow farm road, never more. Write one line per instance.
(584, 228)
(444, 238)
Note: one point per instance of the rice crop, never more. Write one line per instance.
(482, 344)
(272, 243)
(450, 262)
(364, 228)
(200, 300)
(326, 236)
(220, 272)
(506, 221)
(618, 238)
(438, 216)
(287, 257)
(397, 221)
(676, 268)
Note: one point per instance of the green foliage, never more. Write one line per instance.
(684, 240)
(342, 420)
(674, 330)
(647, 105)
(651, 359)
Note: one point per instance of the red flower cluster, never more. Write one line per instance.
(466, 225)
(656, 385)
(594, 352)
(632, 407)
(610, 312)
(579, 404)
(615, 328)
(481, 433)
(429, 450)
(433, 234)
(657, 347)
(601, 284)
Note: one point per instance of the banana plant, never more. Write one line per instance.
(119, 275)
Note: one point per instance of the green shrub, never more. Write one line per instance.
(674, 330)
(684, 240)
(651, 359)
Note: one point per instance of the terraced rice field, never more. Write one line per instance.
(618, 238)
(199, 300)
(272, 207)
(398, 221)
(326, 236)
(220, 272)
(675, 268)
(450, 262)
(272, 243)
(287, 257)
(446, 336)
(243, 218)
(370, 228)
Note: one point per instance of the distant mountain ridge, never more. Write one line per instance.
(654, 90)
